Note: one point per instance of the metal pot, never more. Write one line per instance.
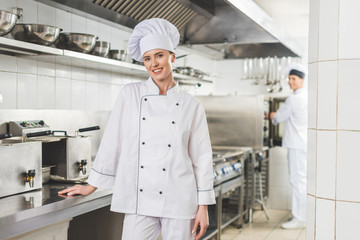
(79, 42)
(101, 49)
(36, 33)
(117, 54)
(7, 22)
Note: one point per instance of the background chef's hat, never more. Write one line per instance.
(152, 34)
(297, 69)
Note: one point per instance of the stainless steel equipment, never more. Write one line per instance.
(235, 120)
(276, 132)
(101, 48)
(228, 185)
(223, 28)
(36, 33)
(79, 42)
(256, 182)
(117, 54)
(7, 22)
(20, 169)
(71, 155)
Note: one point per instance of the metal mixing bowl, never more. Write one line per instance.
(117, 54)
(36, 33)
(7, 22)
(79, 42)
(101, 48)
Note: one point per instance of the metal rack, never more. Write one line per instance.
(256, 182)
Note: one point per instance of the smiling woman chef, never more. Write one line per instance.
(156, 150)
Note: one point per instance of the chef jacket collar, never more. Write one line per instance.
(299, 90)
(152, 88)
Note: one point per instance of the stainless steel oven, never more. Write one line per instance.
(276, 132)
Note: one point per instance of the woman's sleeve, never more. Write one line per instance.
(201, 155)
(103, 171)
(284, 112)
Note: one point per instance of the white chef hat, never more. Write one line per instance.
(152, 34)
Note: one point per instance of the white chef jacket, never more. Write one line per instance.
(156, 153)
(294, 113)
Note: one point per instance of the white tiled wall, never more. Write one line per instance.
(325, 219)
(335, 213)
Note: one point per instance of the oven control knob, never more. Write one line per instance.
(41, 122)
(30, 177)
(82, 166)
(23, 124)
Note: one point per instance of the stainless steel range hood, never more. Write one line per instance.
(228, 28)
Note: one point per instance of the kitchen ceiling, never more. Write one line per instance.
(231, 29)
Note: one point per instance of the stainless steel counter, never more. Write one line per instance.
(25, 212)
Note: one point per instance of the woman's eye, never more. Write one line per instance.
(146, 59)
(160, 55)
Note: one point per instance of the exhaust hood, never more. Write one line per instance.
(227, 28)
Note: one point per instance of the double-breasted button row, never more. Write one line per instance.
(160, 192)
(173, 122)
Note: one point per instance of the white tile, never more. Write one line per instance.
(62, 93)
(328, 29)
(78, 73)
(115, 90)
(30, 10)
(325, 219)
(46, 65)
(104, 76)
(312, 97)
(7, 5)
(78, 24)
(8, 63)
(278, 155)
(27, 91)
(117, 39)
(92, 27)
(92, 75)
(311, 162)
(348, 166)
(348, 38)
(92, 96)
(278, 198)
(279, 175)
(116, 78)
(63, 71)
(46, 92)
(104, 97)
(326, 164)
(27, 65)
(348, 95)
(63, 20)
(327, 95)
(8, 90)
(310, 218)
(46, 15)
(104, 32)
(77, 95)
(347, 220)
(313, 30)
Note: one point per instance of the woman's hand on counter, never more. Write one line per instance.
(202, 219)
(78, 189)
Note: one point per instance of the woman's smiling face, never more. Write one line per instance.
(158, 64)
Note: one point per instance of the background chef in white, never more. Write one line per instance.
(155, 152)
(294, 114)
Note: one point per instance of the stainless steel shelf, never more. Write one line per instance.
(25, 48)
(83, 60)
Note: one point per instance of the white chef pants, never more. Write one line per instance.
(139, 227)
(297, 172)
